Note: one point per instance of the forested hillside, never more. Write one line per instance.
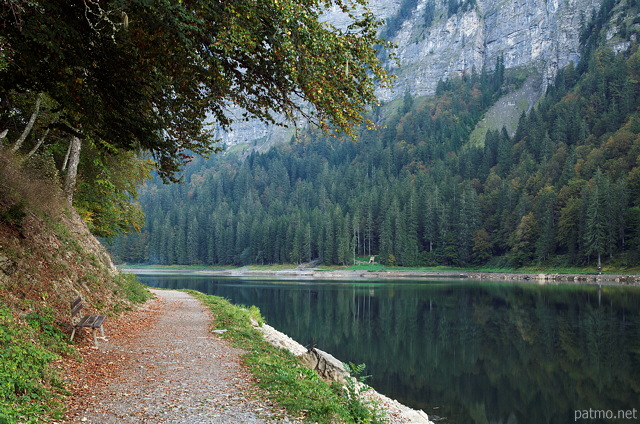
(564, 189)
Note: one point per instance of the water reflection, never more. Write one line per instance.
(470, 352)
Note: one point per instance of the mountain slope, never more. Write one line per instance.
(441, 39)
(562, 188)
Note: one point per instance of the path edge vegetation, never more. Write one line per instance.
(33, 389)
(283, 379)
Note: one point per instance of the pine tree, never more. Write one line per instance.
(596, 234)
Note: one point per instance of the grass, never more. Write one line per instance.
(281, 377)
(271, 267)
(124, 267)
(363, 265)
(31, 389)
(131, 288)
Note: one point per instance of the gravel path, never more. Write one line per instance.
(162, 364)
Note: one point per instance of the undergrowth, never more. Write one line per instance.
(284, 379)
(29, 388)
(131, 287)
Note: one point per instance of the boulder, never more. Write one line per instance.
(326, 365)
(7, 266)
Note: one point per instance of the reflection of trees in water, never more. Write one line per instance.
(531, 354)
(483, 353)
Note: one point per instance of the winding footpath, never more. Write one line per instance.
(162, 364)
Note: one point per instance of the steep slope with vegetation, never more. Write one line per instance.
(562, 190)
(47, 258)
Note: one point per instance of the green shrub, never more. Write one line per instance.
(14, 214)
(360, 409)
(29, 386)
(133, 290)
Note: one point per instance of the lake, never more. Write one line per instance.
(466, 352)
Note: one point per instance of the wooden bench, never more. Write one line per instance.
(80, 321)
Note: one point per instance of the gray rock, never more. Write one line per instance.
(326, 365)
(7, 265)
(540, 35)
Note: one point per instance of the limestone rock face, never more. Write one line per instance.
(540, 34)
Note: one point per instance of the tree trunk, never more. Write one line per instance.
(29, 126)
(65, 161)
(72, 172)
(3, 134)
(37, 146)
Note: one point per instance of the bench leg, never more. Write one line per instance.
(102, 331)
(95, 339)
(73, 333)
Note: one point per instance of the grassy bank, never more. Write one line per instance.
(281, 377)
(31, 388)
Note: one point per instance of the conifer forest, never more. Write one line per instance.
(563, 189)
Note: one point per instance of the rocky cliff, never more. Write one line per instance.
(439, 39)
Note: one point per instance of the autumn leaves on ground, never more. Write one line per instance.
(163, 364)
(47, 258)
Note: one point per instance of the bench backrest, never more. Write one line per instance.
(76, 306)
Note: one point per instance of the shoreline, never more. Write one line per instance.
(315, 274)
(398, 412)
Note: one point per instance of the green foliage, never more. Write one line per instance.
(455, 6)
(106, 197)
(281, 376)
(316, 199)
(404, 12)
(147, 75)
(561, 191)
(53, 338)
(14, 214)
(133, 290)
(29, 386)
(362, 410)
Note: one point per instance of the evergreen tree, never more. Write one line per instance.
(596, 234)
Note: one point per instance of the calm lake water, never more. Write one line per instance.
(467, 352)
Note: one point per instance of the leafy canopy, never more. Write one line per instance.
(148, 74)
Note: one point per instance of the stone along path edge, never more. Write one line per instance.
(163, 364)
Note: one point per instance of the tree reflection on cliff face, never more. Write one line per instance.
(470, 352)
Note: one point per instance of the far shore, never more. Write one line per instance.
(319, 274)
